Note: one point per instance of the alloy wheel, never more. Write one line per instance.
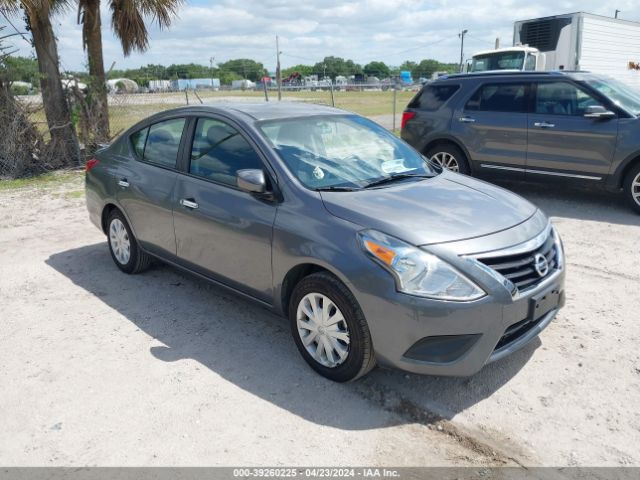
(323, 330)
(635, 189)
(119, 241)
(446, 160)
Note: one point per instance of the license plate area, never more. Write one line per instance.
(543, 303)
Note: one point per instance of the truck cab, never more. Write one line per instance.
(521, 58)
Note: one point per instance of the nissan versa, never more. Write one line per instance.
(374, 255)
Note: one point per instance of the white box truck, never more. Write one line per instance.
(574, 41)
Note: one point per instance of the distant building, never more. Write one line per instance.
(159, 85)
(122, 85)
(68, 83)
(195, 83)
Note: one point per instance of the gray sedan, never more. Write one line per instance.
(373, 254)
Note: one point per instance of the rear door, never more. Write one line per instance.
(562, 141)
(146, 183)
(492, 125)
(222, 231)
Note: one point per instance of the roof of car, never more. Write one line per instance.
(508, 73)
(268, 110)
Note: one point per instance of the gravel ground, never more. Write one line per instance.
(100, 368)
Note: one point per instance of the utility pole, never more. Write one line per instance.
(278, 73)
(617, 12)
(461, 35)
(211, 59)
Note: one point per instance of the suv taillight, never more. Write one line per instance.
(90, 164)
(406, 116)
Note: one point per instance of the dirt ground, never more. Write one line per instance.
(101, 368)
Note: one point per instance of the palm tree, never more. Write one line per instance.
(64, 149)
(128, 23)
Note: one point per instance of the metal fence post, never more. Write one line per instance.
(395, 94)
(333, 101)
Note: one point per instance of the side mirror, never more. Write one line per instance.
(252, 181)
(598, 112)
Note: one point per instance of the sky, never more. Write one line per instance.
(363, 30)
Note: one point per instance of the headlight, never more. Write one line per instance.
(559, 248)
(416, 271)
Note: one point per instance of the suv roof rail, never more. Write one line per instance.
(489, 73)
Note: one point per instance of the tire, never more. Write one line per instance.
(360, 357)
(446, 152)
(632, 188)
(119, 235)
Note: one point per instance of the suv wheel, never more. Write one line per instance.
(329, 328)
(449, 157)
(632, 187)
(123, 246)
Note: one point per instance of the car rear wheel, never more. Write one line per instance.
(329, 328)
(449, 157)
(123, 246)
(632, 187)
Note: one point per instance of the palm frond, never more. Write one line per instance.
(128, 20)
(128, 25)
(161, 11)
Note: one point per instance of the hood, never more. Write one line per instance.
(446, 208)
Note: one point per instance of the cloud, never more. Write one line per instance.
(362, 30)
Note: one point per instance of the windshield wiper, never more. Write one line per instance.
(336, 189)
(395, 178)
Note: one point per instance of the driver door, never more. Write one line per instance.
(222, 231)
(562, 141)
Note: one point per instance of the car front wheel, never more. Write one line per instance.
(124, 248)
(632, 188)
(329, 328)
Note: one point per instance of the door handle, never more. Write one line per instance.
(189, 203)
(123, 182)
(467, 120)
(544, 125)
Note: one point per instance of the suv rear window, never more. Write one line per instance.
(499, 97)
(432, 97)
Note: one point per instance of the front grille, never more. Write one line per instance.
(519, 268)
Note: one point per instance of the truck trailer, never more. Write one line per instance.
(574, 41)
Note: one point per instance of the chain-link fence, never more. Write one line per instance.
(128, 108)
(125, 109)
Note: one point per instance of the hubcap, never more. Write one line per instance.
(635, 189)
(323, 330)
(446, 160)
(119, 240)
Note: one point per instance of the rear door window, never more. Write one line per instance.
(432, 97)
(159, 143)
(500, 97)
(138, 140)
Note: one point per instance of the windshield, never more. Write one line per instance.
(622, 95)
(498, 61)
(342, 151)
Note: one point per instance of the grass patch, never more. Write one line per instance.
(45, 180)
(74, 194)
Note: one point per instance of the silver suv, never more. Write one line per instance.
(550, 125)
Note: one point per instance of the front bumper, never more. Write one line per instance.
(480, 332)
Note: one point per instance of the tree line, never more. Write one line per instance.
(26, 69)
